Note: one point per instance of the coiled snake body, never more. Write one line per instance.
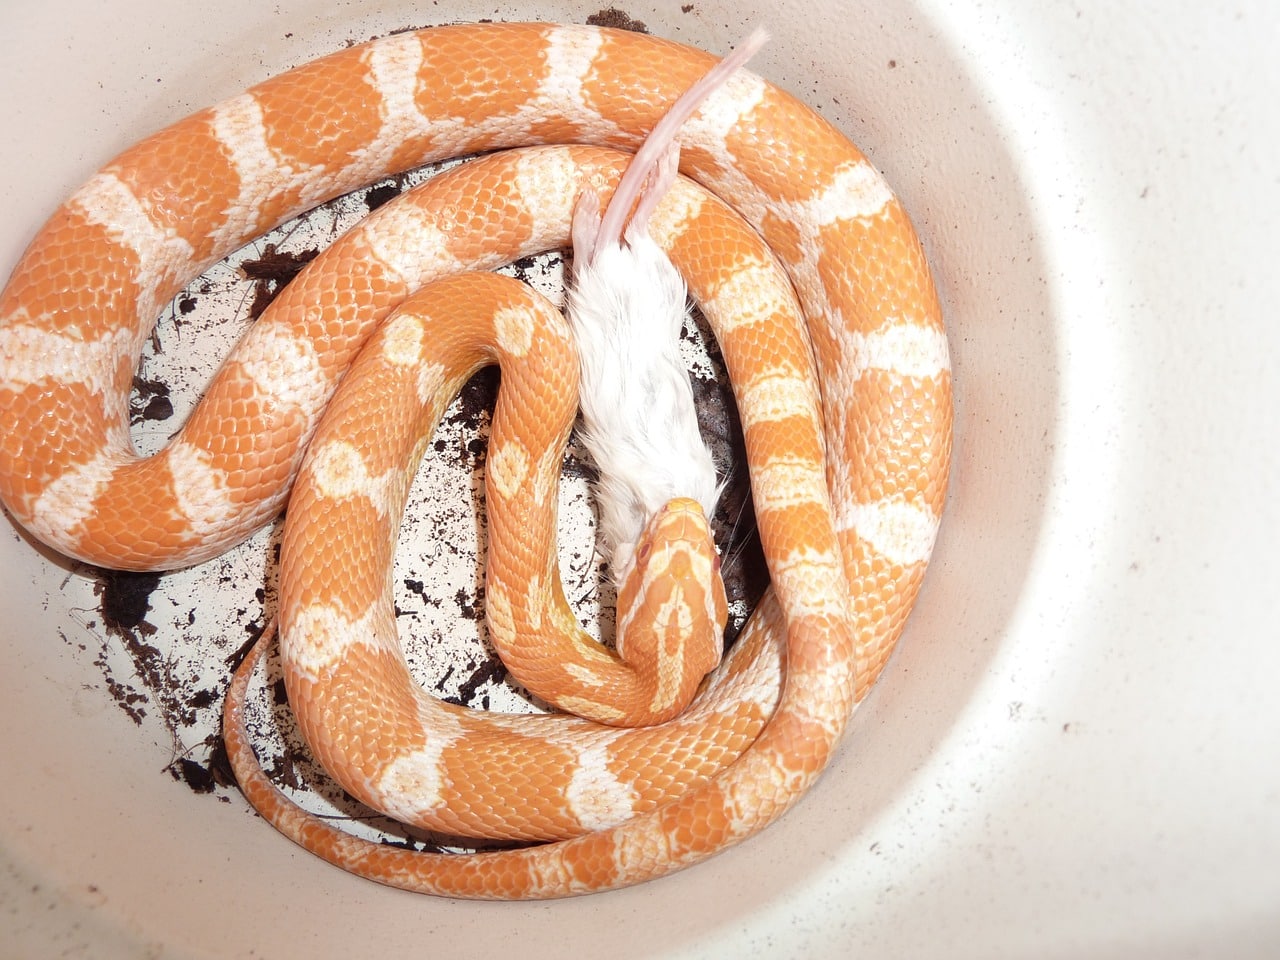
(830, 326)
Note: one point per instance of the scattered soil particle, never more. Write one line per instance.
(271, 273)
(478, 396)
(131, 701)
(150, 400)
(219, 765)
(382, 193)
(613, 17)
(200, 779)
(276, 266)
(492, 671)
(125, 601)
(470, 606)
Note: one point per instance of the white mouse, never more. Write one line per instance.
(627, 304)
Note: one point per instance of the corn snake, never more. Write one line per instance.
(846, 560)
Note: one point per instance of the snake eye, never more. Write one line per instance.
(646, 548)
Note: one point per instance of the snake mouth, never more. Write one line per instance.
(679, 542)
(682, 518)
(680, 526)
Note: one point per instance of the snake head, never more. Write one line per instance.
(672, 607)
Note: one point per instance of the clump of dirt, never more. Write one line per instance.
(618, 19)
(270, 272)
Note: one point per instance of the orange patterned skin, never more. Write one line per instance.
(827, 317)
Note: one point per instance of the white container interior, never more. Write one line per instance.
(1074, 751)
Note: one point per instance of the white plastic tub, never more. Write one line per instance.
(1073, 753)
